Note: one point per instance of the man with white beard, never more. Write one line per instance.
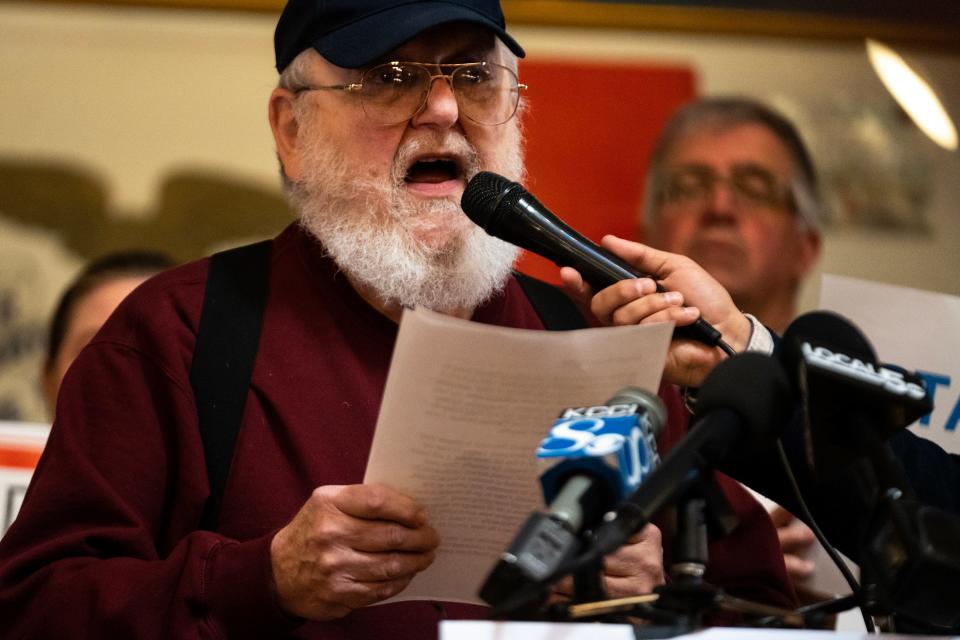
(383, 112)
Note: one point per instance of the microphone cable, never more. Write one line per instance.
(725, 347)
(822, 539)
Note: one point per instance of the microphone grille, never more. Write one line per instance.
(482, 195)
(755, 387)
(650, 402)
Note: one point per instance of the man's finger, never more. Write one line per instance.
(797, 567)
(381, 536)
(781, 517)
(373, 502)
(617, 587)
(574, 284)
(647, 259)
(795, 537)
(625, 292)
(385, 567)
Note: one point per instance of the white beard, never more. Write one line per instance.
(374, 230)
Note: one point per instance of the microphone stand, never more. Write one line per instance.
(679, 607)
(588, 583)
(687, 597)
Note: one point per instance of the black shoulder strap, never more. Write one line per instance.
(233, 305)
(556, 310)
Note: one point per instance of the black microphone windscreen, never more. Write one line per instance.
(482, 196)
(755, 387)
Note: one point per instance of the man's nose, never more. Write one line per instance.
(721, 199)
(440, 108)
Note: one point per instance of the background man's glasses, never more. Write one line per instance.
(394, 92)
(751, 186)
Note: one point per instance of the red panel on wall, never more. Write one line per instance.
(590, 132)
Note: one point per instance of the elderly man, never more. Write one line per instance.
(383, 111)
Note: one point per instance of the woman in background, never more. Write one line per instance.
(87, 303)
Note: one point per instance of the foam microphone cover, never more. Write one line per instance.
(755, 388)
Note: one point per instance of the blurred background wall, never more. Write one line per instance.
(146, 126)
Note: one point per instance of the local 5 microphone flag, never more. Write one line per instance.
(915, 329)
(852, 402)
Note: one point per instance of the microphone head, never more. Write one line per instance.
(648, 401)
(615, 443)
(482, 196)
(505, 210)
(849, 400)
(828, 329)
(755, 387)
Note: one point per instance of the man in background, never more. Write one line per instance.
(732, 186)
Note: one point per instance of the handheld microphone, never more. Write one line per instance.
(744, 402)
(595, 456)
(505, 209)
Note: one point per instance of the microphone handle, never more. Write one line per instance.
(599, 267)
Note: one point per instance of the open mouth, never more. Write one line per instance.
(434, 170)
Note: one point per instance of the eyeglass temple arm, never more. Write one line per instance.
(331, 87)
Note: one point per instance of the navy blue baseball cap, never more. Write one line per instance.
(354, 33)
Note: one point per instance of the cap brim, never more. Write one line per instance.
(364, 41)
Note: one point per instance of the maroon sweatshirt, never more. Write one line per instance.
(106, 542)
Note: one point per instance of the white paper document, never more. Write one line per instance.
(487, 630)
(464, 409)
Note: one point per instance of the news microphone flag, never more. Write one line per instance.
(595, 454)
(615, 441)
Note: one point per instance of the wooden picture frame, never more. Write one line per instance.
(934, 24)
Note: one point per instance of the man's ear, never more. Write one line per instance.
(810, 242)
(283, 123)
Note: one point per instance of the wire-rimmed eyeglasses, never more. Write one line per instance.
(487, 93)
(750, 185)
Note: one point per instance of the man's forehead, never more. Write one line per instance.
(742, 144)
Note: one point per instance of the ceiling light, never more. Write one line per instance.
(914, 94)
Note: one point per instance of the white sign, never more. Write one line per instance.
(21, 444)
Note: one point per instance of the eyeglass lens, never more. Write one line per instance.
(751, 184)
(486, 93)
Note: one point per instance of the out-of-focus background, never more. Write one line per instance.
(144, 124)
